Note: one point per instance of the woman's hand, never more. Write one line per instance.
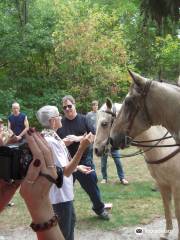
(86, 140)
(35, 188)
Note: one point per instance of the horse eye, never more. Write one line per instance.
(129, 102)
(104, 124)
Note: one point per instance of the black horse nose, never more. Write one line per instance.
(96, 151)
(111, 141)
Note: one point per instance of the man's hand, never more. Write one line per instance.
(74, 138)
(67, 142)
(12, 139)
(69, 139)
(18, 138)
(84, 169)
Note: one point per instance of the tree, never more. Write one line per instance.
(90, 53)
(160, 10)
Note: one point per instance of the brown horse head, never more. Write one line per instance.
(134, 116)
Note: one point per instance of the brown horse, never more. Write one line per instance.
(147, 103)
(151, 103)
(166, 173)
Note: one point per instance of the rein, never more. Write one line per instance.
(164, 159)
(150, 146)
(153, 146)
(140, 143)
(159, 161)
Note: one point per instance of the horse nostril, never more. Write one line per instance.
(96, 151)
(111, 141)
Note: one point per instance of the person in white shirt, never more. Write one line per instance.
(62, 198)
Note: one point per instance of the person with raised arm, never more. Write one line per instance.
(62, 198)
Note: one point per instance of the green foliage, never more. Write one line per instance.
(160, 10)
(166, 52)
(52, 48)
(26, 49)
(146, 48)
(89, 50)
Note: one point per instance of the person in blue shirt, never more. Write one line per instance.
(18, 122)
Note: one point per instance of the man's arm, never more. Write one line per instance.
(72, 165)
(9, 125)
(26, 124)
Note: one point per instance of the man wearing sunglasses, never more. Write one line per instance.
(74, 126)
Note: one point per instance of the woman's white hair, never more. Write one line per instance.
(44, 114)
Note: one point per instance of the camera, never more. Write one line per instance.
(14, 161)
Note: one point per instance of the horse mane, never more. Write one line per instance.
(168, 82)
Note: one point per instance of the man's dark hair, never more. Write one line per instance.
(68, 97)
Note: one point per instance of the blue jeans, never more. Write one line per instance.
(89, 184)
(116, 156)
(66, 218)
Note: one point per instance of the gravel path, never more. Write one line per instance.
(151, 231)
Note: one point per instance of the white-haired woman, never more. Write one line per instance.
(62, 198)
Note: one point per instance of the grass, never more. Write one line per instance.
(132, 204)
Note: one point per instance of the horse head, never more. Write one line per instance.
(134, 117)
(105, 117)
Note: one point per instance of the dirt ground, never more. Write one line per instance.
(152, 231)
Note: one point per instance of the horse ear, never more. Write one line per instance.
(108, 103)
(138, 80)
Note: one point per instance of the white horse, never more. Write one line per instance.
(166, 173)
(147, 103)
(105, 117)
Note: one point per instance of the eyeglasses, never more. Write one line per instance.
(67, 106)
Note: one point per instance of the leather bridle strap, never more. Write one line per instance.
(164, 159)
(132, 116)
(112, 114)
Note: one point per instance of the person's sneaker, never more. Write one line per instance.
(104, 215)
(104, 181)
(10, 204)
(124, 181)
(108, 206)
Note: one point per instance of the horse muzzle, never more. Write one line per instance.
(120, 141)
(100, 151)
(97, 152)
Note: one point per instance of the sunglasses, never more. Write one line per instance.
(67, 106)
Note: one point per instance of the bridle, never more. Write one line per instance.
(113, 114)
(133, 114)
(140, 143)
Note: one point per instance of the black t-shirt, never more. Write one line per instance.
(78, 126)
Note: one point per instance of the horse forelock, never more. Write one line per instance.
(105, 108)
